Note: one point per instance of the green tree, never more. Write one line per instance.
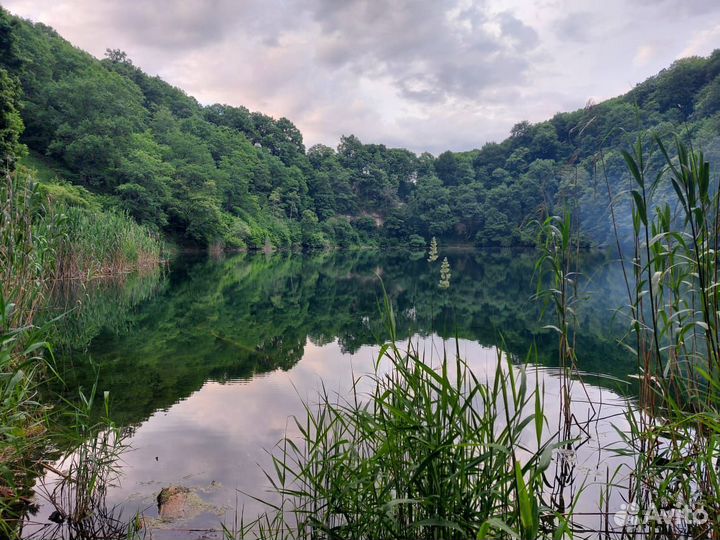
(444, 274)
(11, 124)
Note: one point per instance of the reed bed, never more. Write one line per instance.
(42, 242)
(105, 245)
(432, 451)
(674, 314)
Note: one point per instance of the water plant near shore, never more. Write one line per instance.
(674, 310)
(434, 451)
(42, 241)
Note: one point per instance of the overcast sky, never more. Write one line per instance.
(423, 74)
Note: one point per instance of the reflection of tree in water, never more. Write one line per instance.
(246, 314)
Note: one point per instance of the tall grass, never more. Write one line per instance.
(106, 244)
(674, 309)
(557, 276)
(25, 253)
(78, 483)
(22, 418)
(28, 240)
(41, 242)
(433, 451)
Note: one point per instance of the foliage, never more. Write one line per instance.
(444, 282)
(219, 175)
(11, 124)
(22, 417)
(44, 236)
(433, 253)
(672, 303)
(672, 287)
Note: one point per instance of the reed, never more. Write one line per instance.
(23, 355)
(27, 246)
(41, 242)
(109, 244)
(77, 485)
(432, 451)
(673, 309)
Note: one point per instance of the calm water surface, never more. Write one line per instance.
(207, 364)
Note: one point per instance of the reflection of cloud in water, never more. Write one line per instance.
(222, 432)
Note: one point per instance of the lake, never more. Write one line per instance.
(206, 362)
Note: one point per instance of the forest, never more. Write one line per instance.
(222, 176)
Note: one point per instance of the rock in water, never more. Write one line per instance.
(177, 502)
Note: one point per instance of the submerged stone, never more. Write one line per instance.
(178, 502)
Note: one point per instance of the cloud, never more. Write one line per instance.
(644, 54)
(423, 74)
(432, 50)
(575, 27)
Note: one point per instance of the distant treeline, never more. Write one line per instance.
(224, 176)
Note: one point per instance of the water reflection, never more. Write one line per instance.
(249, 314)
(210, 365)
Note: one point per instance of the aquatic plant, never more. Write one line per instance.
(77, 485)
(433, 253)
(22, 418)
(434, 451)
(42, 241)
(674, 310)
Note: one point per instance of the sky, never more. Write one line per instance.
(428, 75)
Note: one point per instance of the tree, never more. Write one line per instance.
(677, 86)
(11, 124)
(116, 56)
(708, 101)
(8, 46)
(96, 115)
(454, 169)
(545, 143)
(416, 242)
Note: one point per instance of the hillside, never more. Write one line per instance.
(224, 176)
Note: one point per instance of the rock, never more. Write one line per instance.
(175, 502)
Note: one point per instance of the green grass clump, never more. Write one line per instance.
(23, 423)
(431, 452)
(101, 244)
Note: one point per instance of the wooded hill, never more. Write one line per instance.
(225, 176)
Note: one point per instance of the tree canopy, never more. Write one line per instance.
(224, 175)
